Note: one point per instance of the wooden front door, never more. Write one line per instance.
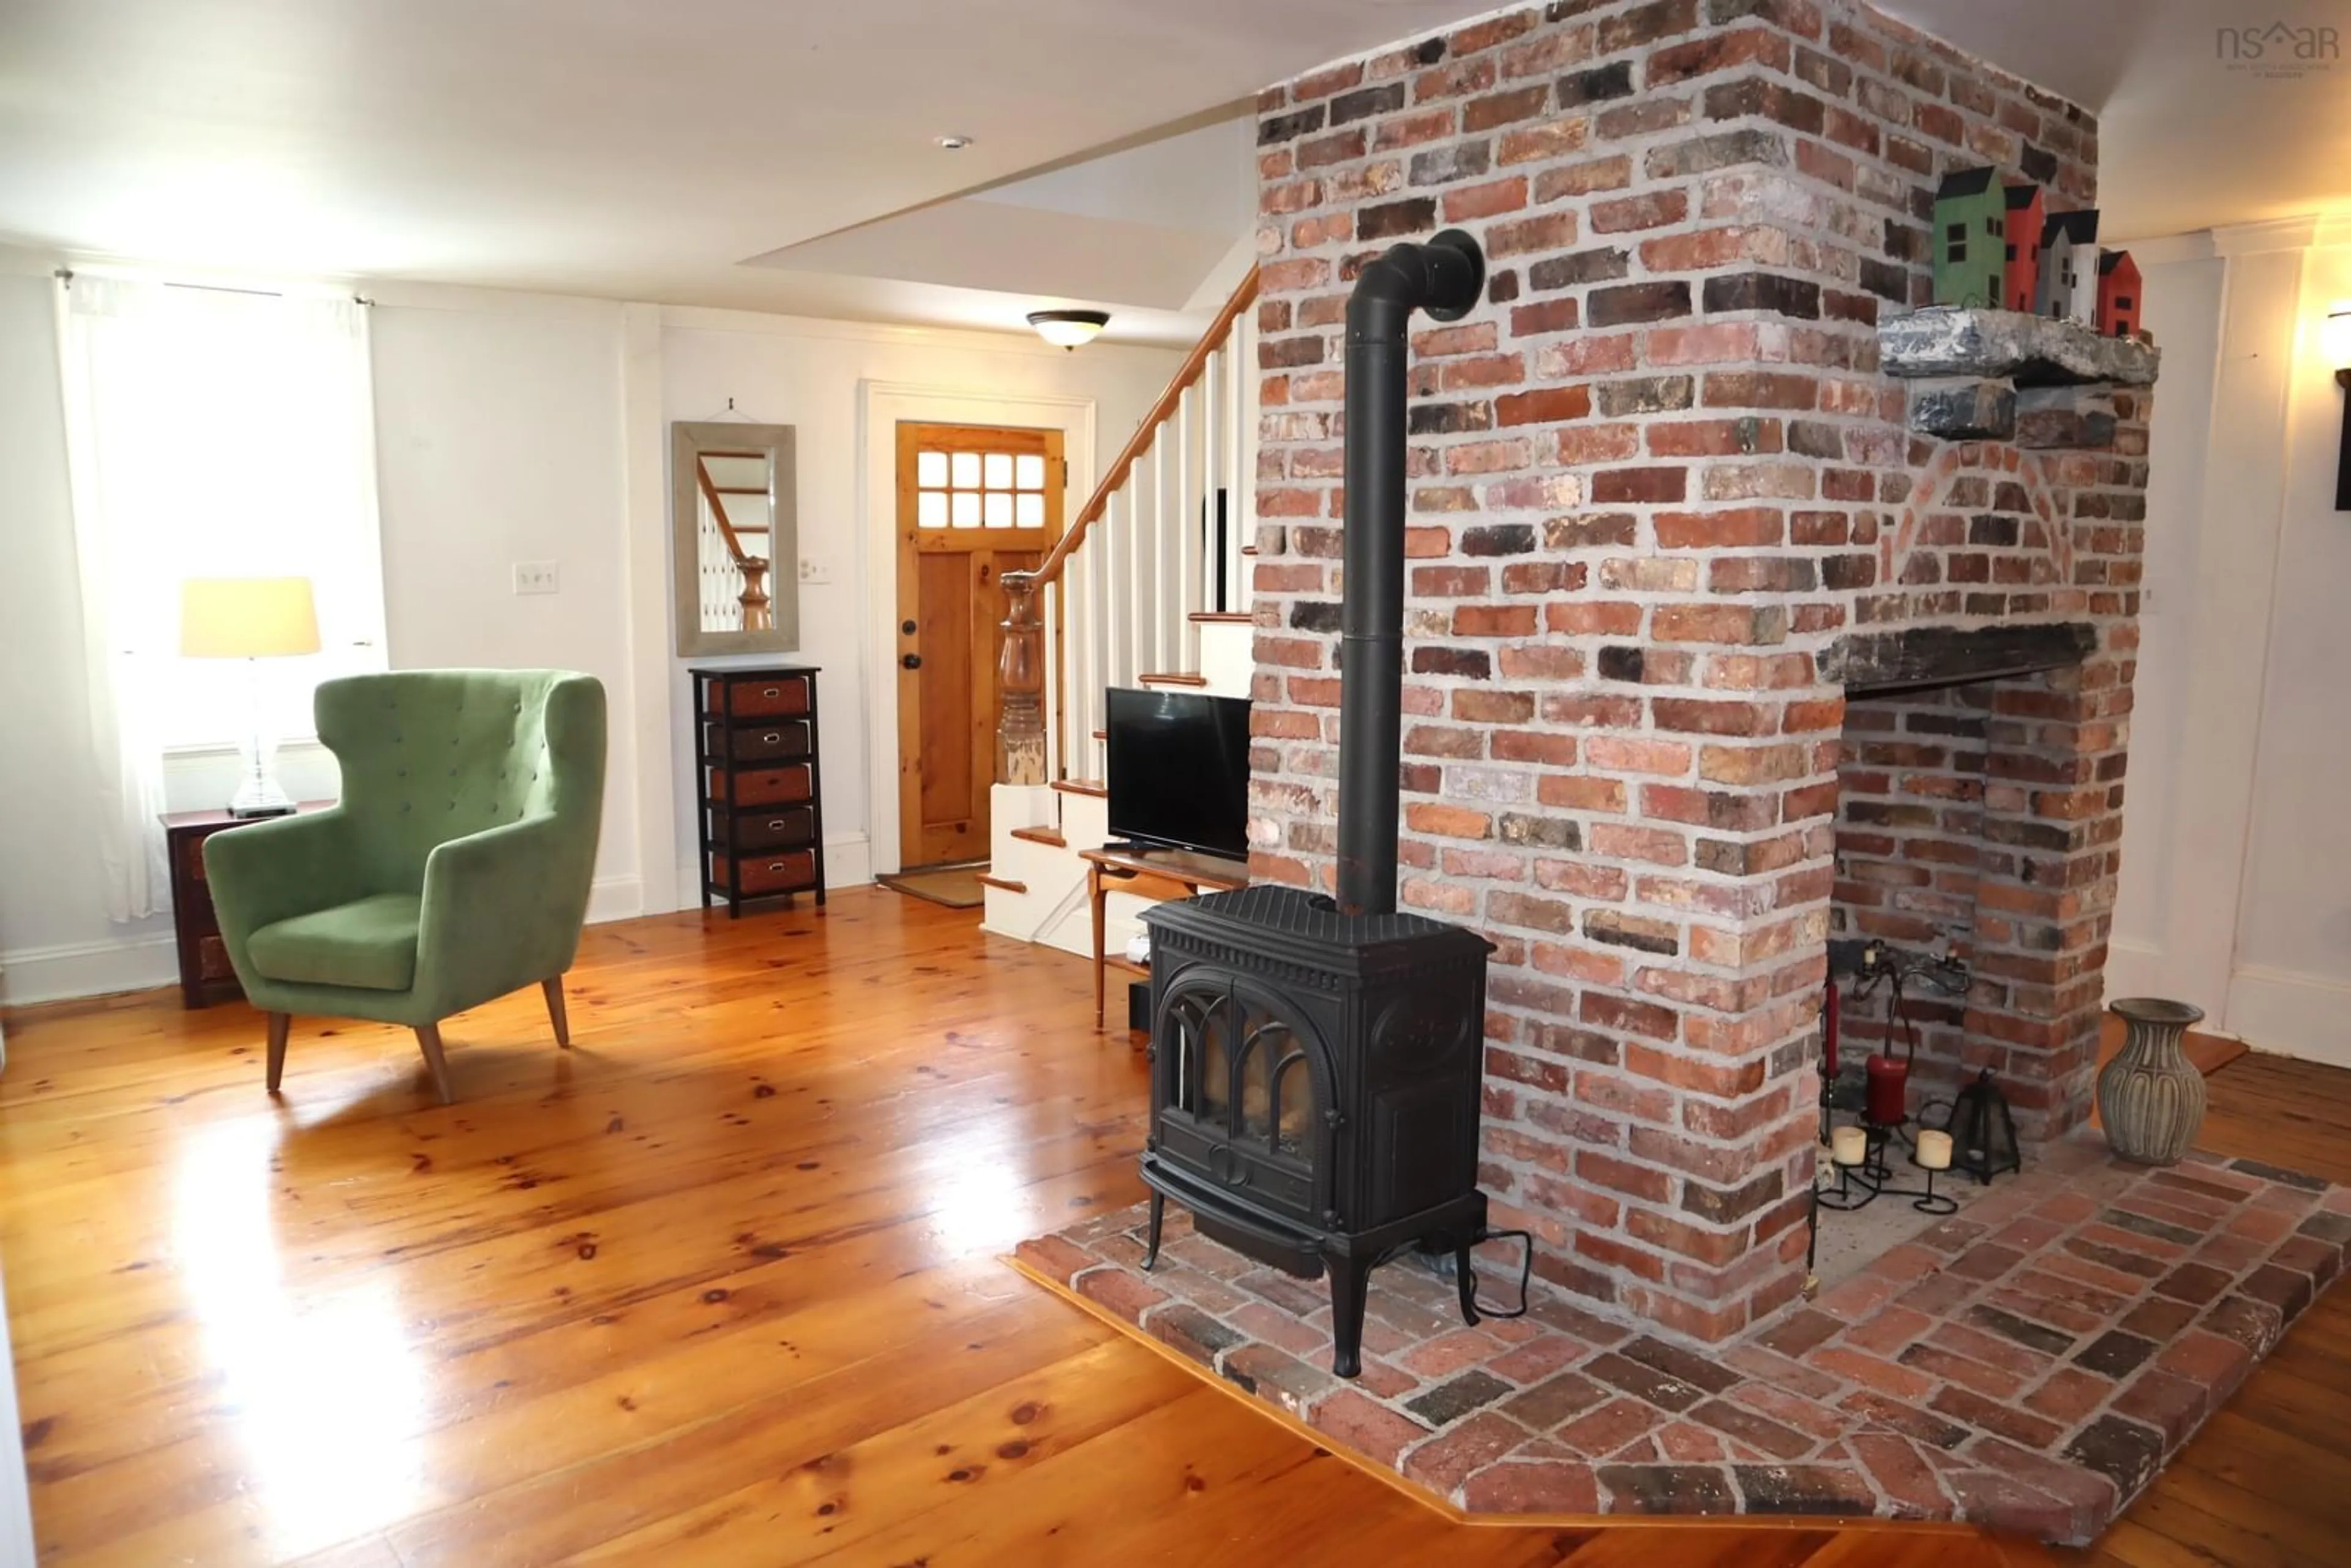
(974, 503)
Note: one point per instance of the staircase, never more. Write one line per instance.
(1147, 586)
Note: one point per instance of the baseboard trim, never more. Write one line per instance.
(69, 969)
(2290, 1013)
(615, 898)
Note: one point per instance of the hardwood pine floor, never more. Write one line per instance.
(720, 1285)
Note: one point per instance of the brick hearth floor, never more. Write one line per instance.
(2028, 1365)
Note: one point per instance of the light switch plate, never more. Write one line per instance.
(536, 577)
(815, 568)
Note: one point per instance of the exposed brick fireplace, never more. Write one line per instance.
(1708, 651)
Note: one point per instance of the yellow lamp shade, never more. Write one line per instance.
(2335, 339)
(248, 617)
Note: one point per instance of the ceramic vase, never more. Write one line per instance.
(2150, 1097)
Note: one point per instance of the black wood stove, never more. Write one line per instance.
(1316, 1062)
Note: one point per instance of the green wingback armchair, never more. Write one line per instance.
(454, 869)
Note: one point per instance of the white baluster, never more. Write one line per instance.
(1187, 597)
(1050, 654)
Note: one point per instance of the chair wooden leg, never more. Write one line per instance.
(428, 1040)
(281, 1024)
(555, 1014)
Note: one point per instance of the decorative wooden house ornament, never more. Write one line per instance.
(1970, 257)
(2119, 295)
(2020, 285)
(2068, 287)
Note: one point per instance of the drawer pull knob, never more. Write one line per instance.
(770, 739)
(776, 865)
(777, 826)
(772, 691)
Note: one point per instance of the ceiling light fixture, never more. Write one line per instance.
(1068, 328)
(952, 141)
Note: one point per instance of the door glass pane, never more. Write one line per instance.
(1216, 1063)
(1028, 472)
(930, 468)
(1029, 513)
(1000, 508)
(998, 467)
(966, 508)
(966, 470)
(1265, 1043)
(931, 509)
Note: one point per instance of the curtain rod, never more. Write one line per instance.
(65, 276)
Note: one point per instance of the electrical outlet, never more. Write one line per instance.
(815, 570)
(536, 577)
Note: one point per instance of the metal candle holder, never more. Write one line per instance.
(1859, 1185)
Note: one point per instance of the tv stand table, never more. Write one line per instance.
(1151, 873)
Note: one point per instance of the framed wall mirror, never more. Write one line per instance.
(735, 519)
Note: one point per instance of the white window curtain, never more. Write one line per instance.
(210, 433)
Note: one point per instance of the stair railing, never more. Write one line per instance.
(1166, 526)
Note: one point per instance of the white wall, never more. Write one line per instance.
(510, 427)
(498, 441)
(808, 374)
(2236, 881)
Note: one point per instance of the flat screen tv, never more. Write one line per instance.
(1179, 771)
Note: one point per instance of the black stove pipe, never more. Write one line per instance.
(1444, 276)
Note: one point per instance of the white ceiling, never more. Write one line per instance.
(777, 155)
(1143, 226)
(638, 148)
(2185, 142)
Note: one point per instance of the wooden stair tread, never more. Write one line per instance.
(1220, 618)
(1042, 836)
(1082, 787)
(1003, 885)
(1174, 678)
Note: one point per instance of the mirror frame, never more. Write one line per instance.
(688, 438)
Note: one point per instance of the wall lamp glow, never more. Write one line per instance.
(2335, 341)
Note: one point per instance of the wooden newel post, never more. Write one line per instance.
(759, 611)
(1020, 668)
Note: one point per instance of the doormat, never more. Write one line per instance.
(953, 886)
(2027, 1365)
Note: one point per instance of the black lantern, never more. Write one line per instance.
(1983, 1131)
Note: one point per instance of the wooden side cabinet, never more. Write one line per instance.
(205, 977)
(762, 795)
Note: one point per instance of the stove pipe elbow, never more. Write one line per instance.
(1445, 278)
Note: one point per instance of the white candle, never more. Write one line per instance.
(1934, 1150)
(1849, 1145)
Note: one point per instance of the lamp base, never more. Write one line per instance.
(258, 794)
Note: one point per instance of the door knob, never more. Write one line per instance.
(907, 627)
(911, 660)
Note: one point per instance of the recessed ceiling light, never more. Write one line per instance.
(953, 143)
(1068, 328)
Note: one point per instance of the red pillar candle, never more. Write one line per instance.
(1889, 1086)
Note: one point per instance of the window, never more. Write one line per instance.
(2012, 250)
(1993, 225)
(2122, 301)
(220, 432)
(979, 490)
(1957, 250)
